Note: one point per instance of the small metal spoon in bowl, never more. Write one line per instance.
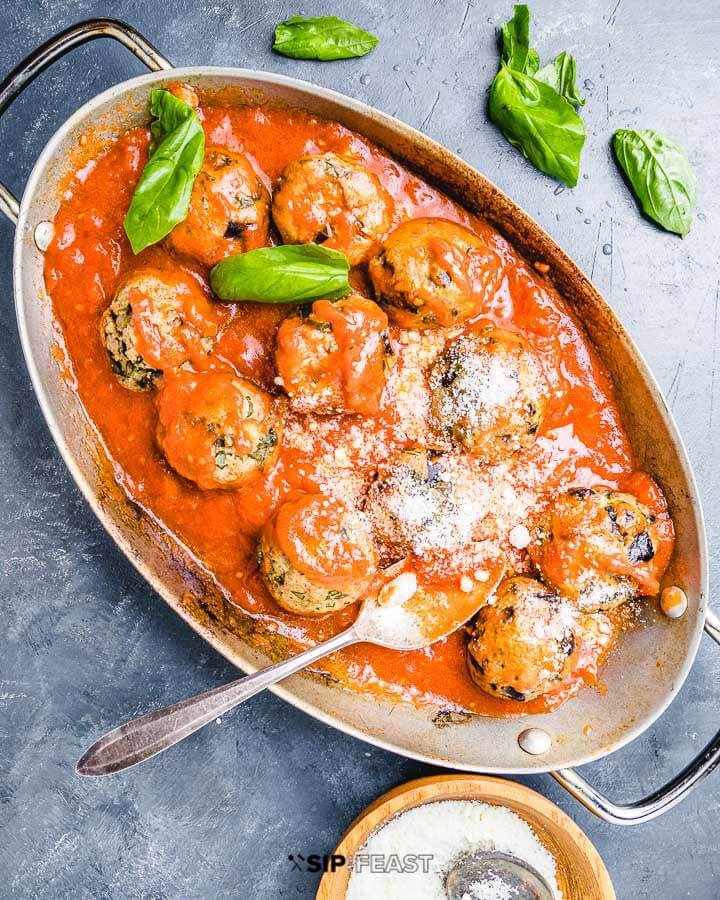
(398, 616)
(503, 874)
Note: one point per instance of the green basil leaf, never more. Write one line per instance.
(162, 195)
(660, 175)
(322, 37)
(169, 112)
(561, 75)
(532, 63)
(293, 273)
(539, 122)
(515, 36)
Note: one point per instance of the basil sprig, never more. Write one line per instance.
(293, 273)
(321, 37)
(162, 195)
(660, 176)
(535, 108)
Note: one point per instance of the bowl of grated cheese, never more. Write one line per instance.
(405, 844)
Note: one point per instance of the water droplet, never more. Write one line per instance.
(586, 177)
(559, 189)
(396, 68)
(579, 208)
(607, 249)
(587, 221)
(364, 79)
(588, 84)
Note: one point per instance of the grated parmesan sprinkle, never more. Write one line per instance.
(446, 830)
(471, 512)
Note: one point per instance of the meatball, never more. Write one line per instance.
(489, 394)
(157, 320)
(228, 212)
(183, 91)
(218, 430)
(337, 359)
(596, 547)
(317, 555)
(524, 644)
(432, 272)
(333, 201)
(419, 503)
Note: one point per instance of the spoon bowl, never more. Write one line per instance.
(500, 874)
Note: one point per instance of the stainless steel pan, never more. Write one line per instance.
(637, 691)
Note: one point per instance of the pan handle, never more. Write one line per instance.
(56, 47)
(661, 800)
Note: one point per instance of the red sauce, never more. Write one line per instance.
(90, 256)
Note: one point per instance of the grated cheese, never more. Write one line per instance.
(445, 829)
(473, 513)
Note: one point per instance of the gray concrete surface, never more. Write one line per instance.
(85, 644)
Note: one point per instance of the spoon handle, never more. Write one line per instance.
(154, 732)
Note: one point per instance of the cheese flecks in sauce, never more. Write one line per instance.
(580, 442)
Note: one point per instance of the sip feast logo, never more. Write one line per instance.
(373, 862)
(317, 862)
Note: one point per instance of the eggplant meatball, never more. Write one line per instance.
(317, 555)
(596, 546)
(218, 430)
(524, 644)
(419, 503)
(337, 359)
(489, 394)
(333, 201)
(157, 320)
(228, 212)
(432, 272)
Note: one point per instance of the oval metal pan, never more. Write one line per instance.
(638, 690)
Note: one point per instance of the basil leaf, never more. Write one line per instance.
(293, 273)
(539, 122)
(515, 36)
(169, 112)
(162, 195)
(561, 75)
(660, 176)
(322, 37)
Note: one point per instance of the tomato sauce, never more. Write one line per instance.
(581, 435)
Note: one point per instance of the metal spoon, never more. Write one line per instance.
(398, 617)
(492, 867)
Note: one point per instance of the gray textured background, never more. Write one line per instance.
(85, 645)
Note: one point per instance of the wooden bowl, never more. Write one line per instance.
(581, 873)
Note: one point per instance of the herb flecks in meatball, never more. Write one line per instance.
(217, 430)
(434, 273)
(228, 212)
(334, 201)
(489, 394)
(317, 555)
(596, 546)
(336, 359)
(119, 338)
(523, 645)
(158, 320)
